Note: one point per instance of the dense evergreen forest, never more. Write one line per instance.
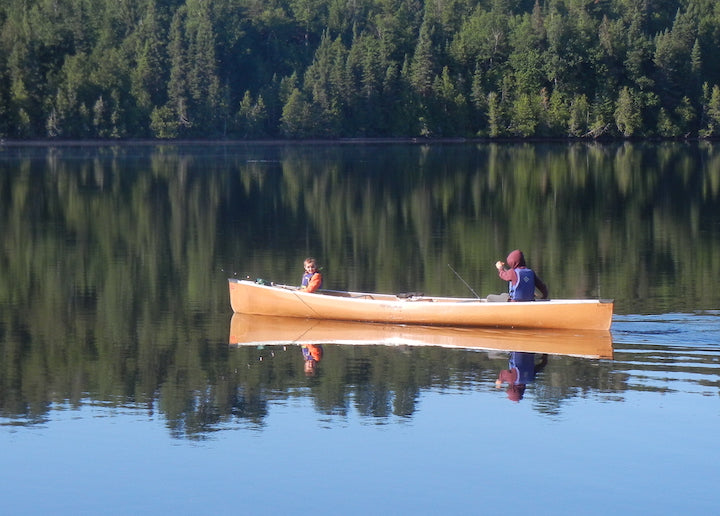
(359, 68)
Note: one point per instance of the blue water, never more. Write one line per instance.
(649, 447)
(120, 395)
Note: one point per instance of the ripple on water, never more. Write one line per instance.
(672, 352)
(672, 329)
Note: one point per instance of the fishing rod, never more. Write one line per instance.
(465, 282)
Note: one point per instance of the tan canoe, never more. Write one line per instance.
(248, 297)
(259, 330)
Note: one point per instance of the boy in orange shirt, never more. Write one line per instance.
(312, 279)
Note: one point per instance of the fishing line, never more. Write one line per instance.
(296, 339)
(465, 282)
(307, 305)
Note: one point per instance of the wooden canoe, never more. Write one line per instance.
(249, 297)
(264, 330)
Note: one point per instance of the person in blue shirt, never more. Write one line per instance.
(522, 281)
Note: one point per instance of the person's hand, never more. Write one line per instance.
(499, 265)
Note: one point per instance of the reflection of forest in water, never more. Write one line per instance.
(115, 258)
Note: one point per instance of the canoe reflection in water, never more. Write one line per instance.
(312, 353)
(268, 330)
(521, 371)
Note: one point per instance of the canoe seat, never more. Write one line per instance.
(498, 298)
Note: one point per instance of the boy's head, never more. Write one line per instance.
(516, 259)
(310, 264)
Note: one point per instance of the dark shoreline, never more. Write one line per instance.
(330, 141)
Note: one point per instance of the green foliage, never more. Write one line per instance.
(579, 118)
(712, 115)
(525, 116)
(666, 127)
(163, 123)
(627, 114)
(252, 116)
(296, 119)
(495, 116)
(108, 69)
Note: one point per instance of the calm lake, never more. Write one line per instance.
(120, 392)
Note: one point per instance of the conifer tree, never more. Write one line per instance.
(686, 118)
(178, 84)
(422, 64)
(712, 122)
(295, 121)
(579, 116)
(495, 116)
(627, 113)
(524, 116)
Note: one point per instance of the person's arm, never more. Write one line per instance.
(505, 274)
(314, 282)
(541, 365)
(316, 352)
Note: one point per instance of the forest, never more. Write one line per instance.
(298, 69)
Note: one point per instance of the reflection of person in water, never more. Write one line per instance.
(521, 371)
(312, 353)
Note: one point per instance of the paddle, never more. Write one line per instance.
(465, 282)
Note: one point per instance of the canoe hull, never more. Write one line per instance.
(251, 298)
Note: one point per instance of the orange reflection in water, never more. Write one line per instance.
(268, 330)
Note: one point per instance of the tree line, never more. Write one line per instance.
(99, 69)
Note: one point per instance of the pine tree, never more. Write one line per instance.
(712, 126)
(422, 66)
(524, 116)
(203, 81)
(686, 117)
(148, 76)
(557, 114)
(295, 121)
(178, 85)
(666, 126)
(579, 119)
(627, 113)
(495, 116)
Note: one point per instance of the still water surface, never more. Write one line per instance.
(119, 393)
